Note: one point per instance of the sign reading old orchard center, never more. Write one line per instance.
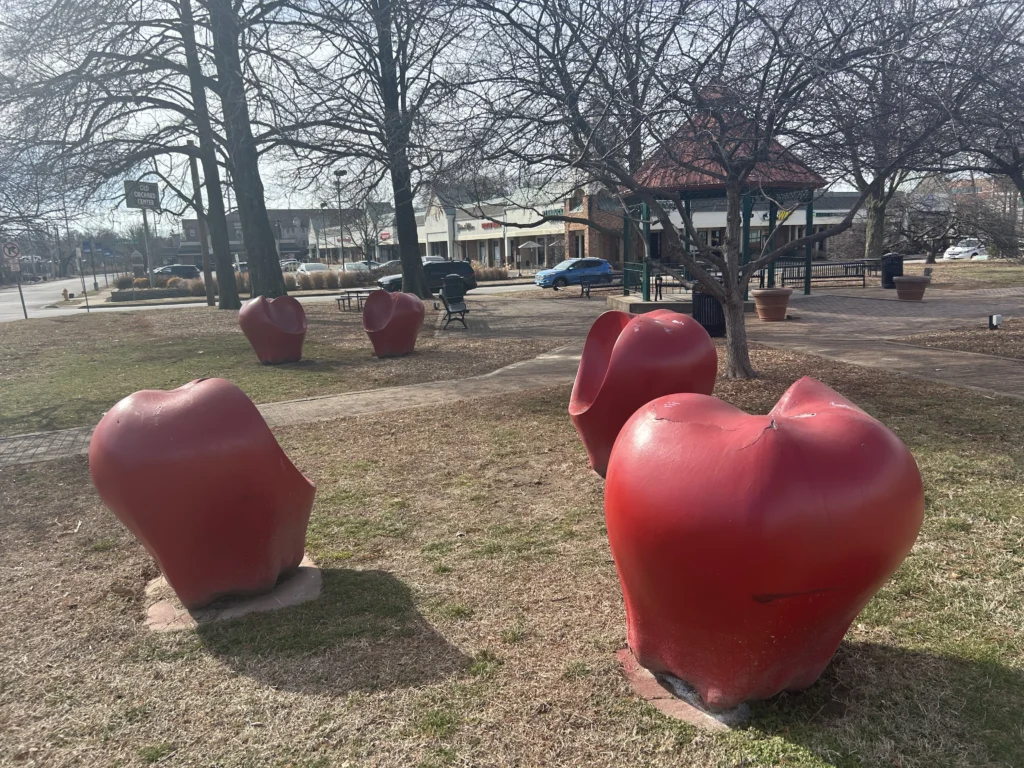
(141, 194)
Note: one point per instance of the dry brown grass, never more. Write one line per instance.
(1008, 341)
(67, 371)
(963, 275)
(471, 611)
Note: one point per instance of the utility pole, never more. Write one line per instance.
(201, 217)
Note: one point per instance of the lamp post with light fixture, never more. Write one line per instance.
(338, 174)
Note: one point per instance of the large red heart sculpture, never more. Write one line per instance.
(746, 545)
(629, 360)
(196, 474)
(392, 321)
(275, 328)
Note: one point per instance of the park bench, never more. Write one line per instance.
(345, 299)
(452, 297)
(821, 271)
(589, 281)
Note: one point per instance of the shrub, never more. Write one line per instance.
(304, 281)
(176, 282)
(331, 280)
(289, 282)
(160, 281)
(197, 287)
(242, 281)
(124, 282)
(318, 280)
(489, 273)
(140, 282)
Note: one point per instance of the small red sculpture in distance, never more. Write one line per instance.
(392, 321)
(746, 545)
(629, 360)
(197, 476)
(275, 328)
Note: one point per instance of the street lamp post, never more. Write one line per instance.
(338, 174)
(323, 227)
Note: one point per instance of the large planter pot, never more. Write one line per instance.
(771, 303)
(911, 288)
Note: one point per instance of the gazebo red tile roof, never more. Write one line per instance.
(683, 165)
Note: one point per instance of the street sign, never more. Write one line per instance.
(12, 255)
(141, 194)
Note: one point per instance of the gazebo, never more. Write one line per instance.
(682, 167)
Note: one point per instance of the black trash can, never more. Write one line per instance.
(708, 312)
(892, 266)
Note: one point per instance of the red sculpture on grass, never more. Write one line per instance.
(275, 328)
(392, 321)
(196, 474)
(629, 360)
(746, 545)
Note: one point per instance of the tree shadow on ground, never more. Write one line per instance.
(363, 633)
(884, 705)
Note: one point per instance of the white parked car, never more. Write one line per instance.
(290, 265)
(969, 248)
(310, 268)
(356, 266)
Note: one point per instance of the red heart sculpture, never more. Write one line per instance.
(629, 360)
(196, 474)
(275, 328)
(392, 321)
(746, 545)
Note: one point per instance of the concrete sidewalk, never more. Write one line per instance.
(554, 369)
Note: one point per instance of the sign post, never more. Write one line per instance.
(81, 274)
(144, 195)
(12, 255)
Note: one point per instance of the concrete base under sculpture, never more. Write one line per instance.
(674, 698)
(167, 614)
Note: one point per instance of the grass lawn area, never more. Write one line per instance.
(962, 275)
(471, 611)
(67, 371)
(1008, 341)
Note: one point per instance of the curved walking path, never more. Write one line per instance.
(858, 326)
(553, 369)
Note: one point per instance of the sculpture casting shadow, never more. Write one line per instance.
(363, 633)
(905, 703)
(275, 328)
(628, 361)
(393, 321)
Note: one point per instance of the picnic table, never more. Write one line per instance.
(359, 294)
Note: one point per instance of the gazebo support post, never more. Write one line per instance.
(625, 252)
(773, 220)
(809, 248)
(645, 289)
(688, 208)
(748, 213)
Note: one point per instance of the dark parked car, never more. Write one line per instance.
(435, 272)
(186, 271)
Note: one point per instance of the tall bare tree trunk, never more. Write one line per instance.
(396, 134)
(264, 264)
(216, 219)
(874, 243)
(737, 356)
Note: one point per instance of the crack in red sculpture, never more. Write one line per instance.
(393, 322)
(629, 360)
(197, 476)
(276, 328)
(724, 531)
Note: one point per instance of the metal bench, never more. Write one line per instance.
(589, 281)
(452, 295)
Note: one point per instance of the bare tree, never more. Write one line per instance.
(726, 81)
(382, 74)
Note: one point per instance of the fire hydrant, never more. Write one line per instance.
(65, 293)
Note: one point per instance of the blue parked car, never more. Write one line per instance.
(572, 271)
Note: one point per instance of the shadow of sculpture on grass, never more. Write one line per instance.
(363, 633)
(883, 705)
